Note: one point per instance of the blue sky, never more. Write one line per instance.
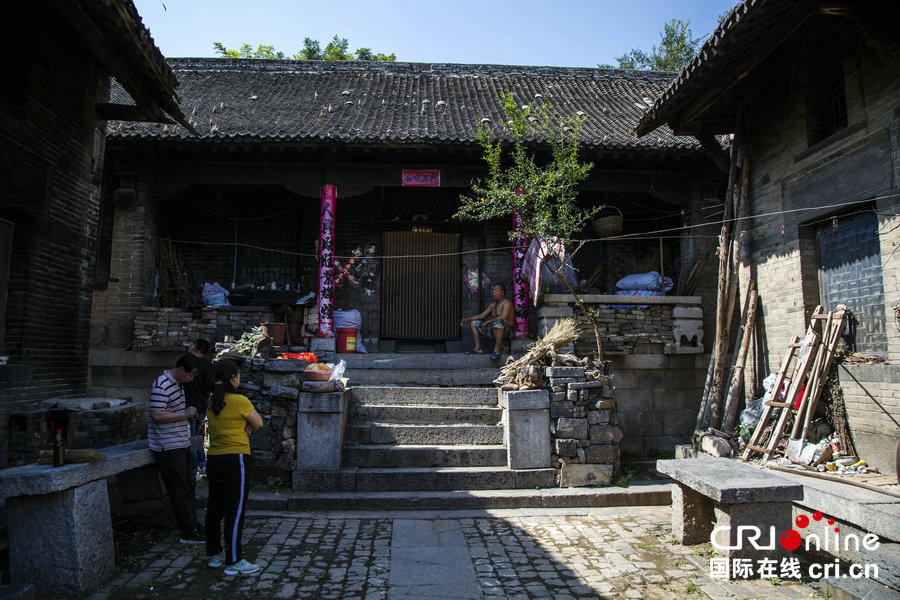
(571, 33)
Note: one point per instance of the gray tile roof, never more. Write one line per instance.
(377, 103)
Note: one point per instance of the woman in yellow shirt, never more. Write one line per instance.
(230, 419)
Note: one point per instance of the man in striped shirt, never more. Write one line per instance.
(170, 441)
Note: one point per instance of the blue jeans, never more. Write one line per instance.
(198, 457)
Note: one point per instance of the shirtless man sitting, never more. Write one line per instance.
(494, 321)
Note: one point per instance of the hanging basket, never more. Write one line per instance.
(608, 225)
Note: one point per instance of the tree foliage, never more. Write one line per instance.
(676, 48)
(541, 189)
(337, 49)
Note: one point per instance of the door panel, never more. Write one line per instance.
(850, 273)
(420, 296)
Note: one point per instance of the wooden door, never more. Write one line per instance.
(420, 295)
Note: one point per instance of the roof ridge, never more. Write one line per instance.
(406, 68)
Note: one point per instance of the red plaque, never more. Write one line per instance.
(421, 178)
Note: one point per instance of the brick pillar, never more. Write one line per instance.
(133, 269)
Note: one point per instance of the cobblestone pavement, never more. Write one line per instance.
(621, 553)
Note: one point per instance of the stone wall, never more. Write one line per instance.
(273, 387)
(649, 324)
(583, 429)
(659, 368)
(168, 328)
(657, 399)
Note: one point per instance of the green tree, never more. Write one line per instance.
(311, 50)
(337, 49)
(676, 48)
(247, 51)
(540, 189)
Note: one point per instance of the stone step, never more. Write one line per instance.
(423, 479)
(434, 396)
(417, 361)
(417, 369)
(847, 588)
(419, 377)
(423, 415)
(637, 493)
(388, 433)
(424, 456)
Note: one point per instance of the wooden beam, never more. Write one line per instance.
(879, 35)
(128, 112)
(718, 126)
(715, 150)
(94, 39)
(72, 12)
(761, 49)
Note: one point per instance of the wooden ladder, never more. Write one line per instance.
(801, 368)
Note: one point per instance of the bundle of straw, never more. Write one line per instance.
(541, 351)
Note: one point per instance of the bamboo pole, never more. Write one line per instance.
(737, 239)
(703, 413)
(732, 400)
(737, 342)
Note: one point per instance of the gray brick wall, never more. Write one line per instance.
(52, 130)
(782, 254)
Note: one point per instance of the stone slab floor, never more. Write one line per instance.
(621, 553)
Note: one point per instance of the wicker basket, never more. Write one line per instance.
(609, 225)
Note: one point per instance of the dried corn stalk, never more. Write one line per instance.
(523, 374)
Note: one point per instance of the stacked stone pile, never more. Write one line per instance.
(218, 322)
(664, 326)
(164, 328)
(583, 427)
(168, 328)
(632, 331)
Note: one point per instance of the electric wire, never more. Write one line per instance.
(646, 235)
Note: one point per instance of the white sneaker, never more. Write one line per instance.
(216, 560)
(242, 567)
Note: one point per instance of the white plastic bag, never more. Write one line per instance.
(347, 318)
(337, 371)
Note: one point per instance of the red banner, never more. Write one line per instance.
(421, 178)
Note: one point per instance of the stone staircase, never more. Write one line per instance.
(426, 431)
(403, 436)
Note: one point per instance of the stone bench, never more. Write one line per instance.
(60, 528)
(722, 494)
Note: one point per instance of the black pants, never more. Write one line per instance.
(175, 469)
(229, 486)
